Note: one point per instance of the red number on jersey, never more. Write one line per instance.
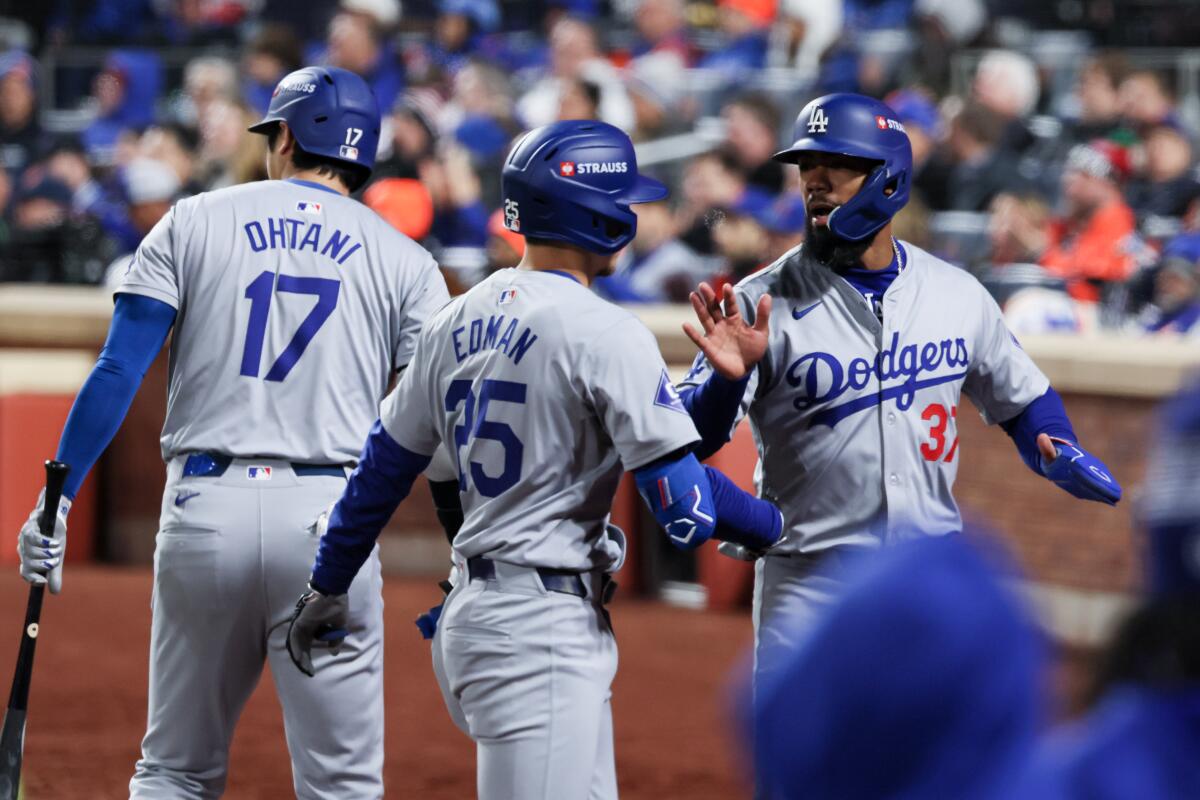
(936, 446)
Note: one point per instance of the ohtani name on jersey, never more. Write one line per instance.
(494, 333)
(824, 378)
(284, 233)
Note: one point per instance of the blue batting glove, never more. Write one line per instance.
(1078, 472)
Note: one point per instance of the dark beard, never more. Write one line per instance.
(832, 252)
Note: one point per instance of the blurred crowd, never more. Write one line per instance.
(1054, 151)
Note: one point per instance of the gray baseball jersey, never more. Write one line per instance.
(544, 393)
(856, 418)
(295, 304)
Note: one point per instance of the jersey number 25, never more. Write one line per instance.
(476, 425)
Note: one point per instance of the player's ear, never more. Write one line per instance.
(285, 141)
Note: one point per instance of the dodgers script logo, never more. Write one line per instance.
(824, 378)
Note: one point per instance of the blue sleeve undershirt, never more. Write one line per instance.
(139, 328)
(1046, 415)
(383, 478)
(713, 406)
(741, 517)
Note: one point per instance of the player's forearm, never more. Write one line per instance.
(383, 478)
(714, 406)
(743, 518)
(140, 326)
(1046, 415)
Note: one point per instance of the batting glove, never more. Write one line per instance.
(42, 557)
(323, 618)
(1078, 472)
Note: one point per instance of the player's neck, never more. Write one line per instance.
(312, 176)
(578, 263)
(881, 253)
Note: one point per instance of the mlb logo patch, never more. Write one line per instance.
(258, 473)
(308, 208)
(667, 396)
(507, 296)
(567, 169)
(349, 152)
(881, 122)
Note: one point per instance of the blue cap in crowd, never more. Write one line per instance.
(787, 214)
(753, 203)
(485, 14)
(915, 109)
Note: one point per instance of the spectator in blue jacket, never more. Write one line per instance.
(125, 92)
(746, 27)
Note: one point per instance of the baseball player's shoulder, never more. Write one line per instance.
(945, 274)
(224, 197)
(789, 276)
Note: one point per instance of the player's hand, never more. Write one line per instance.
(731, 345)
(42, 558)
(1076, 471)
(319, 620)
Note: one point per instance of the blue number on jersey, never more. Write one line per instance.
(259, 293)
(476, 424)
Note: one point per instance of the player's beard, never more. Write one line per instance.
(832, 251)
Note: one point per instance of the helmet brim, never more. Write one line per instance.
(645, 190)
(264, 126)
(832, 146)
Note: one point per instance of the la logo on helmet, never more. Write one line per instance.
(817, 121)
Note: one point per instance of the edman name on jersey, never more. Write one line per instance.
(486, 335)
(823, 378)
(283, 233)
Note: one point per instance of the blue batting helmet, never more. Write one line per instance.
(332, 112)
(862, 127)
(573, 181)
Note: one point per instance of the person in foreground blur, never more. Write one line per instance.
(1143, 738)
(923, 681)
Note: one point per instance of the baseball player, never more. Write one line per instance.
(853, 388)
(543, 393)
(292, 306)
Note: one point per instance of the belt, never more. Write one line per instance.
(555, 580)
(214, 465)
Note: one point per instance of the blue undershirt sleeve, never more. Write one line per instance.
(743, 518)
(383, 478)
(139, 328)
(713, 406)
(1046, 415)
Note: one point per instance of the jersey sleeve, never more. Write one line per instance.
(407, 414)
(632, 394)
(153, 271)
(426, 294)
(1002, 379)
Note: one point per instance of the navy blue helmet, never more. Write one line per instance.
(332, 112)
(574, 181)
(862, 127)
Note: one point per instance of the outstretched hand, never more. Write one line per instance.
(731, 345)
(1076, 471)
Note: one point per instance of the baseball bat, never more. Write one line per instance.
(12, 739)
